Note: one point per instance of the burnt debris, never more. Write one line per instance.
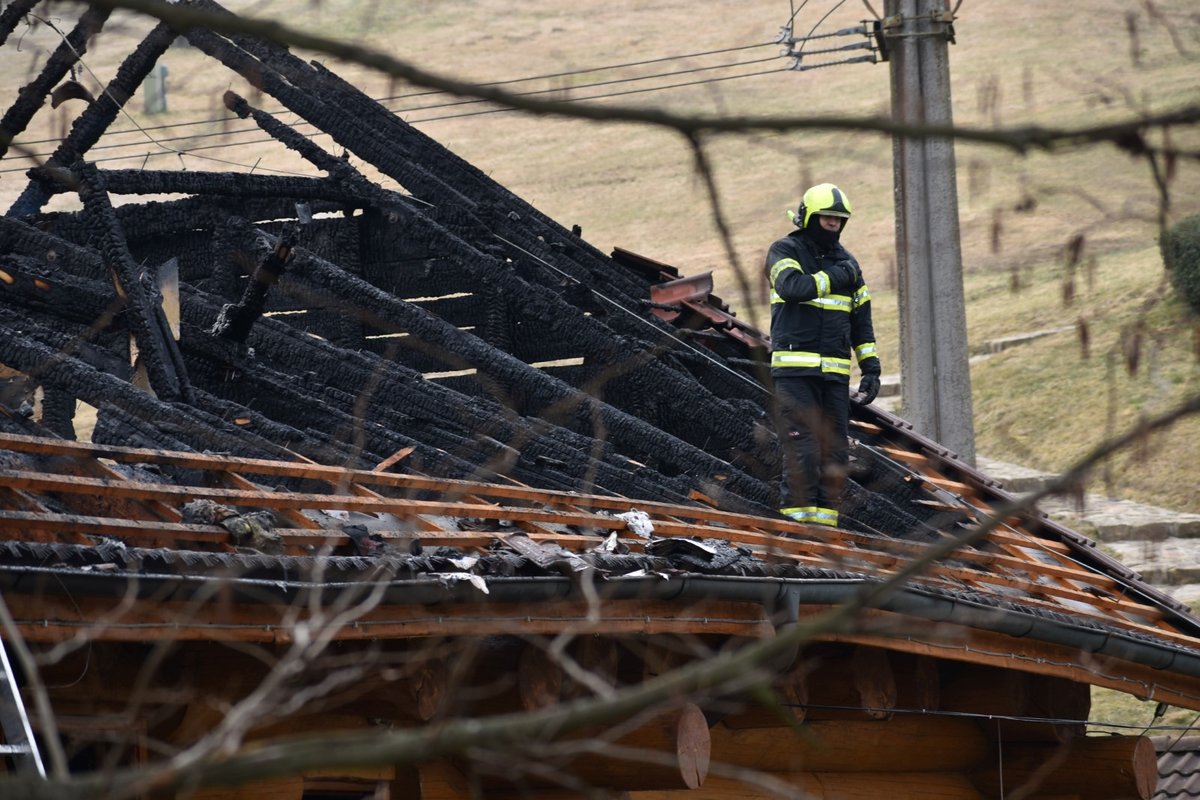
(330, 318)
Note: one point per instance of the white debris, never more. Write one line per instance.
(638, 522)
(451, 578)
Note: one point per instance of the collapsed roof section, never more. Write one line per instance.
(448, 331)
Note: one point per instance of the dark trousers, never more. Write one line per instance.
(816, 413)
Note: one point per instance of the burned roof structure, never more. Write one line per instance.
(304, 385)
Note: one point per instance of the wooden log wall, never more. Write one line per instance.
(954, 747)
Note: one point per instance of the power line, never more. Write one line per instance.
(604, 96)
(182, 151)
(612, 82)
(505, 82)
(201, 137)
(597, 69)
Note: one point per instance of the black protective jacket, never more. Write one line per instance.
(813, 329)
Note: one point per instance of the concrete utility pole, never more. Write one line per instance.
(936, 393)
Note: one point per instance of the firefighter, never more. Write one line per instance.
(820, 314)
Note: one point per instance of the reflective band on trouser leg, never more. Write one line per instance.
(800, 514)
(824, 516)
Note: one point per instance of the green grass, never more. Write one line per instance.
(1046, 403)
(1130, 715)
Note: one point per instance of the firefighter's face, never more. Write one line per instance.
(831, 224)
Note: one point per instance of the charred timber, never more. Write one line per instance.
(235, 184)
(91, 124)
(144, 315)
(235, 320)
(306, 408)
(240, 57)
(546, 393)
(398, 150)
(32, 95)
(536, 231)
(48, 362)
(339, 170)
(18, 236)
(12, 16)
(711, 420)
(452, 431)
(377, 146)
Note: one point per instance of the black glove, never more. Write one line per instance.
(868, 387)
(844, 277)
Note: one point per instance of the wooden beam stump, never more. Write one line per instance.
(600, 657)
(860, 684)
(506, 675)
(1095, 767)
(791, 691)
(671, 750)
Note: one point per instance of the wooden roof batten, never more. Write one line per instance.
(800, 571)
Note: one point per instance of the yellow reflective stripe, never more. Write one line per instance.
(798, 513)
(793, 358)
(782, 264)
(799, 359)
(823, 516)
(775, 298)
(832, 302)
(862, 296)
(822, 279)
(866, 350)
(813, 515)
(840, 366)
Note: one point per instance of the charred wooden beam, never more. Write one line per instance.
(13, 13)
(46, 356)
(245, 55)
(18, 236)
(450, 431)
(399, 151)
(230, 184)
(235, 320)
(91, 124)
(339, 170)
(302, 411)
(61, 62)
(542, 393)
(157, 348)
(504, 211)
(44, 288)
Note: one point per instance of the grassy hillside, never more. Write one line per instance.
(1049, 64)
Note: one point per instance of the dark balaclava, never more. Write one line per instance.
(826, 240)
